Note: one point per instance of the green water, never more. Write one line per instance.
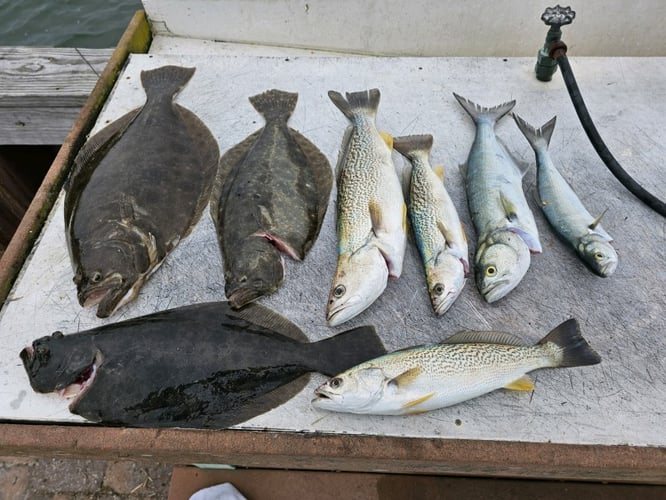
(65, 23)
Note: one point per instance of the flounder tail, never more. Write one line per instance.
(165, 81)
(364, 103)
(345, 350)
(573, 348)
(275, 104)
(481, 114)
(537, 137)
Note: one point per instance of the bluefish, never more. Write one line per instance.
(505, 227)
(203, 365)
(270, 198)
(137, 188)
(439, 234)
(467, 365)
(371, 212)
(563, 209)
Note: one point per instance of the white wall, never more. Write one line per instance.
(417, 27)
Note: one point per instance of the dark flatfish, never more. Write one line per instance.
(204, 365)
(137, 188)
(270, 198)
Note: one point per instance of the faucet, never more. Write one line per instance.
(555, 17)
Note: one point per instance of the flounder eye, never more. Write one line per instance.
(96, 277)
(438, 289)
(335, 383)
(491, 271)
(339, 291)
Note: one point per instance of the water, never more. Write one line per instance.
(65, 23)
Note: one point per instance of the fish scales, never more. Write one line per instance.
(438, 231)
(467, 365)
(371, 213)
(271, 196)
(505, 226)
(137, 188)
(563, 208)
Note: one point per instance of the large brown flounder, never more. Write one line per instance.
(137, 188)
(270, 196)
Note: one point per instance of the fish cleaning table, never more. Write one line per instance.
(599, 422)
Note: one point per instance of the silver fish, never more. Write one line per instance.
(467, 365)
(371, 221)
(439, 233)
(563, 209)
(505, 227)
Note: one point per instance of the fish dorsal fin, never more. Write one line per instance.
(268, 319)
(406, 378)
(439, 171)
(342, 154)
(417, 401)
(229, 161)
(483, 337)
(596, 221)
(387, 138)
(321, 168)
(524, 383)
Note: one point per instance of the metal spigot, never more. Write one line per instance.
(555, 17)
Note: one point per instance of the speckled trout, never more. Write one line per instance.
(563, 209)
(440, 236)
(505, 227)
(467, 365)
(371, 212)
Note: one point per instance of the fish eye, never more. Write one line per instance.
(57, 335)
(335, 383)
(491, 271)
(339, 291)
(243, 279)
(598, 256)
(438, 289)
(96, 277)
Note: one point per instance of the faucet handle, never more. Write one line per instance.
(558, 16)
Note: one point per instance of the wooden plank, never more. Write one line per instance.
(43, 90)
(289, 484)
(317, 451)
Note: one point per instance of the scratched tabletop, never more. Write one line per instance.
(620, 401)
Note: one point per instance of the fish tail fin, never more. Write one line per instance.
(345, 350)
(573, 349)
(166, 80)
(480, 113)
(411, 146)
(363, 103)
(537, 137)
(275, 104)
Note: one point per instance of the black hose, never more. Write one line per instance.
(616, 169)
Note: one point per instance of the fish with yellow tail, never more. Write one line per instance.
(371, 212)
(505, 226)
(467, 365)
(563, 209)
(439, 233)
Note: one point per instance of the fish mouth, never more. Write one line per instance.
(93, 295)
(86, 379)
(441, 305)
(497, 290)
(345, 311)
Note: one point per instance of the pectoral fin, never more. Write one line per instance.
(406, 378)
(388, 139)
(596, 221)
(510, 210)
(524, 383)
(439, 171)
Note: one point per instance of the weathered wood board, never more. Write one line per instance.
(42, 90)
(622, 401)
